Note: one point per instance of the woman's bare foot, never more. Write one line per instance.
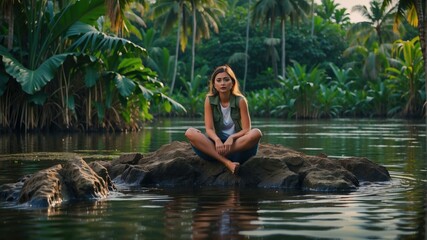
(236, 168)
(233, 167)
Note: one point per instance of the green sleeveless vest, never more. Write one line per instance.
(217, 113)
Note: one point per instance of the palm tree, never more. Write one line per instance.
(372, 60)
(205, 16)
(171, 12)
(247, 46)
(266, 11)
(378, 27)
(416, 14)
(341, 16)
(327, 9)
(296, 10)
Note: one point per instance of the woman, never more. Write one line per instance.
(229, 138)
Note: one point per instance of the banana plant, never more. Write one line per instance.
(267, 102)
(39, 56)
(125, 74)
(405, 76)
(341, 78)
(381, 96)
(327, 104)
(305, 84)
(358, 103)
(63, 46)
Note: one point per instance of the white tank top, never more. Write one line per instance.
(228, 121)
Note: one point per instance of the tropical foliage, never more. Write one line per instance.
(356, 79)
(406, 75)
(415, 12)
(100, 64)
(63, 71)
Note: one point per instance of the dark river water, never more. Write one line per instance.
(391, 210)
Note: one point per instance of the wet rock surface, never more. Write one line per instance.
(74, 180)
(176, 164)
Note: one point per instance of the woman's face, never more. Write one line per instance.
(223, 83)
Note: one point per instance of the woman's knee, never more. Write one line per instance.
(256, 133)
(191, 132)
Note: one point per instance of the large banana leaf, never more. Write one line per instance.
(91, 76)
(87, 11)
(37, 74)
(167, 100)
(45, 27)
(124, 85)
(94, 40)
(33, 80)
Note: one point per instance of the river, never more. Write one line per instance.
(391, 210)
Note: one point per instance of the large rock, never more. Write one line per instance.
(176, 164)
(274, 166)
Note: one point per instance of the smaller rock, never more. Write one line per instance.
(82, 182)
(72, 180)
(365, 170)
(327, 181)
(44, 188)
(269, 173)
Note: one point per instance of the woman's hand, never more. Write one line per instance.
(227, 144)
(220, 148)
(224, 148)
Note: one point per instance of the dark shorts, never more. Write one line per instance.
(239, 157)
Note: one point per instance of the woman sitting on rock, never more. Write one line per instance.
(229, 138)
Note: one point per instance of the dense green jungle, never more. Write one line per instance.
(113, 65)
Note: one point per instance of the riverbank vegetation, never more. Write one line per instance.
(88, 65)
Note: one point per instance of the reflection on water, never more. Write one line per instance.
(392, 210)
(377, 211)
(225, 219)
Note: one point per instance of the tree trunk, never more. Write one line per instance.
(247, 48)
(175, 68)
(193, 47)
(272, 50)
(283, 23)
